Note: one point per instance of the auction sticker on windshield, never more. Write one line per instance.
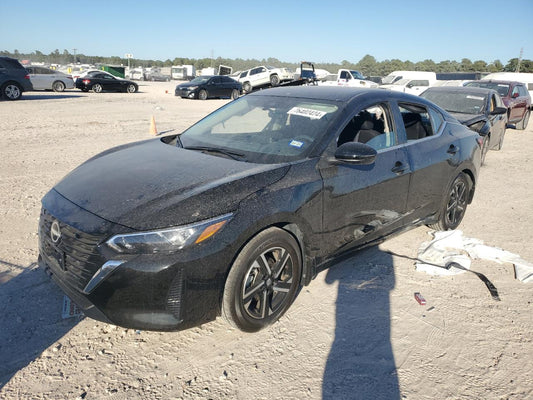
(306, 112)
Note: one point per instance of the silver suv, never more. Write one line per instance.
(14, 79)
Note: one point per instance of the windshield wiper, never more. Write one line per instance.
(231, 154)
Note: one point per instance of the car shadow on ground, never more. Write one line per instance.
(30, 317)
(361, 363)
(50, 96)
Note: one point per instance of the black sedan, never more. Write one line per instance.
(235, 214)
(102, 81)
(482, 110)
(205, 87)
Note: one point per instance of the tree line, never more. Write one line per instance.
(368, 65)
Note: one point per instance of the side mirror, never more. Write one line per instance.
(498, 111)
(356, 153)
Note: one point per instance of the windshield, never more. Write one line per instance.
(389, 79)
(357, 75)
(501, 88)
(264, 129)
(455, 102)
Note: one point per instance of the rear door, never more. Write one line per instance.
(433, 152)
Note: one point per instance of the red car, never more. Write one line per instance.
(515, 97)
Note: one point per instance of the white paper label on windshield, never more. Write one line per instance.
(306, 112)
(296, 143)
(475, 98)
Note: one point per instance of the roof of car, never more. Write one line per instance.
(461, 89)
(338, 93)
(498, 82)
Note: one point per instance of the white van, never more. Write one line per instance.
(522, 77)
(414, 82)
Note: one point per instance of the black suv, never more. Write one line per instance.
(14, 79)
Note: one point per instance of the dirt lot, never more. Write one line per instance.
(355, 333)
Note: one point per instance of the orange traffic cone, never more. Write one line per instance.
(153, 129)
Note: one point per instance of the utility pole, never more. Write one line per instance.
(520, 60)
(74, 50)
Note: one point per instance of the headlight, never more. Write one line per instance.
(192, 88)
(167, 240)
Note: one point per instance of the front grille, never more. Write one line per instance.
(74, 259)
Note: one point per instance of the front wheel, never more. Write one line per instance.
(247, 87)
(12, 91)
(523, 123)
(274, 80)
(58, 86)
(454, 208)
(97, 88)
(485, 148)
(234, 94)
(131, 88)
(202, 94)
(263, 281)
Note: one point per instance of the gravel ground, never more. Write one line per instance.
(355, 333)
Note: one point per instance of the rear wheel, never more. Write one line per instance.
(58, 86)
(97, 88)
(202, 94)
(12, 91)
(454, 207)
(263, 281)
(523, 123)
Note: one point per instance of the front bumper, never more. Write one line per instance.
(146, 291)
(186, 93)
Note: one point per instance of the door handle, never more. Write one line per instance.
(453, 149)
(398, 168)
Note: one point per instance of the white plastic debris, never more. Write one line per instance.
(452, 247)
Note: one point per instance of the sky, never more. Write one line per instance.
(291, 31)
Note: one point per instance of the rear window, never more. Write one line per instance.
(10, 63)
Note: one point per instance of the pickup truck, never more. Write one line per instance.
(263, 76)
(347, 77)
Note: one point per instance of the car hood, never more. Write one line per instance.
(188, 84)
(150, 184)
(468, 119)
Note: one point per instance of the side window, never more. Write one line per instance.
(243, 74)
(522, 90)
(515, 91)
(436, 120)
(372, 126)
(417, 121)
(419, 83)
(343, 75)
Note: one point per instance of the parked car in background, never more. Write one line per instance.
(515, 97)
(44, 78)
(206, 87)
(263, 76)
(99, 81)
(156, 76)
(14, 79)
(347, 77)
(482, 110)
(235, 214)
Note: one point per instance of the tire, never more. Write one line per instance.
(454, 207)
(274, 80)
(58, 86)
(97, 88)
(202, 94)
(523, 123)
(247, 87)
(234, 94)
(263, 281)
(11, 91)
(131, 88)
